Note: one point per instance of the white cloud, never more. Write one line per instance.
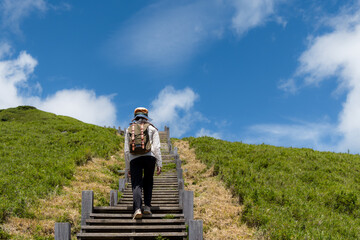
(320, 136)
(288, 86)
(166, 33)
(337, 54)
(81, 104)
(169, 33)
(5, 50)
(12, 74)
(174, 108)
(250, 14)
(13, 12)
(209, 133)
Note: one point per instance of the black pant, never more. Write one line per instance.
(139, 182)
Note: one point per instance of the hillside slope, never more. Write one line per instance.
(213, 203)
(288, 193)
(39, 152)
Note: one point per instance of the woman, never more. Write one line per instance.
(142, 152)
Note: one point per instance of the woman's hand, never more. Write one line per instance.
(158, 170)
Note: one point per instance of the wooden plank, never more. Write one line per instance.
(155, 193)
(120, 208)
(136, 227)
(158, 185)
(132, 221)
(154, 206)
(154, 202)
(157, 196)
(129, 215)
(63, 231)
(169, 196)
(115, 235)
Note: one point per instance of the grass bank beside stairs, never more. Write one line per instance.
(288, 193)
(40, 152)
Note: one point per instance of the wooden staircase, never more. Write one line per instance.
(167, 220)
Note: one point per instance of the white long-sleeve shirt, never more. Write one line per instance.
(155, 148)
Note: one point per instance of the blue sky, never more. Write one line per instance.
(285, 73)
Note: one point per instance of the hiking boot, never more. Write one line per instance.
(147, 210)
(137, 214)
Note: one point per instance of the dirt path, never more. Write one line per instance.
(213, 203)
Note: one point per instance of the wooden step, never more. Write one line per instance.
(137, 228)
(162, 183)
(167, 174)
(135, 221)
(154, 206)
(96, 236)
(167, 179)
(156, 196)
(129, 215)
(154, 209)
(158, 200)
(154, 202)
(154, 191)
(161, 186)
(173, 193)
(163, 191)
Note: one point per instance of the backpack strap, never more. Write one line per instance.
(142, 136)
(133, 136)
(133, 122)
(153, 125)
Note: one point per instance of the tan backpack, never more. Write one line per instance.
(139, 138)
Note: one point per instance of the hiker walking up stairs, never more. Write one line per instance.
(142, 152)
(168, 218)
(170, 215)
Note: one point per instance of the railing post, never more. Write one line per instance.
(178, 163)
(181, 189)
(168, 138)
(179, 172)
(87, 205)
(62, 231)
(113, 197)
(122, 184)
(188, 205)
(126, 169)
(195, 230)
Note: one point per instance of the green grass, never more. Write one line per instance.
(168, 167)
(39, 152)
(289, 193)
(169, 216)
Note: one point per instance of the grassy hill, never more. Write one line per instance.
(39, 152)
(289, 193)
